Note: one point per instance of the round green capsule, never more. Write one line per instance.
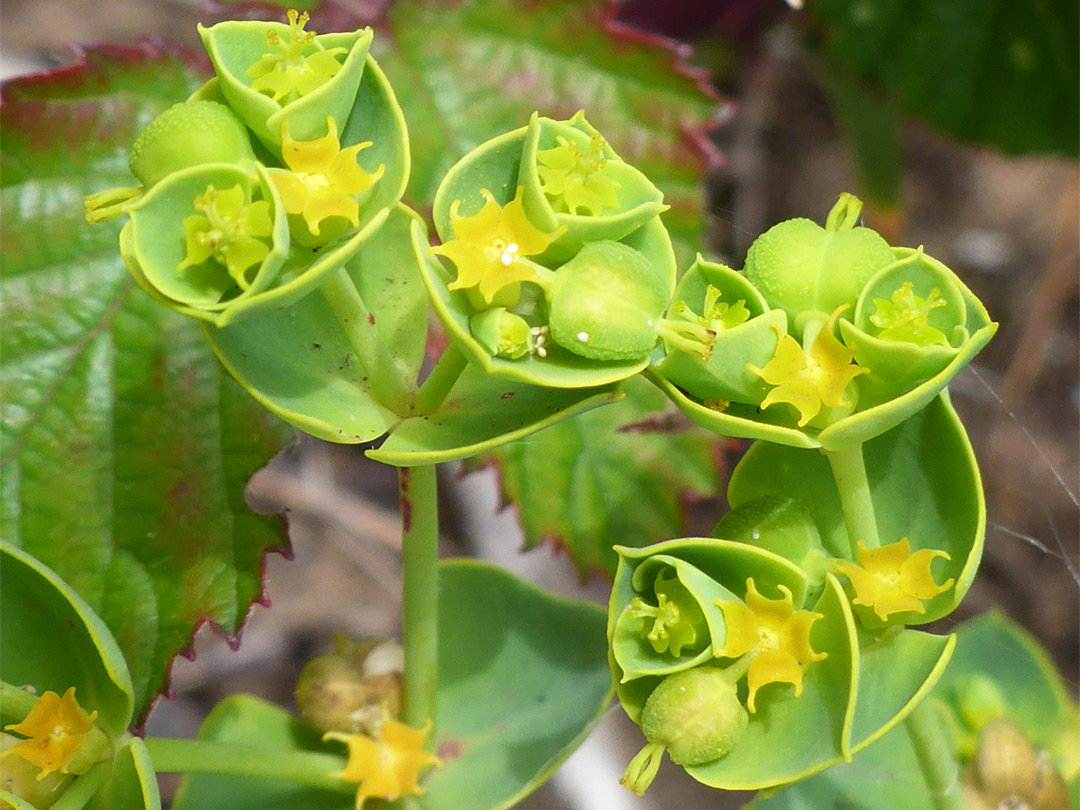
(187, 134)
(802, 268)
(607, 303)
(694, 715)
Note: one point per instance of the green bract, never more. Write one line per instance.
(754, 608)
(828, 360)
(239, 49)
(591, 279)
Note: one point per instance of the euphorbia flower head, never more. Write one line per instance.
(808, 380)
(775, 633)
(388, 765)
(573, 179)
(322, 178)
(56, 730)
(229, 230)
(904, 317)
(891, 579)
(489, 247)
(300, 66)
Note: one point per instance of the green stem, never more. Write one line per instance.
(936, 758)
(363, 334)
(82, 790)
(433, 392)
(849, 470)
(15, 703)
(420, 580)
(202, 756)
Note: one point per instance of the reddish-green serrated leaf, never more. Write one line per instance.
(125, 448)
(466, 72)
(588, 487)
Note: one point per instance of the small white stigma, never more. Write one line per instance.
(507, 256)
(583, 337)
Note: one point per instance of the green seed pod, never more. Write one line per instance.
(606, 303)
(190, 133)
(809, 271)
(696, 714)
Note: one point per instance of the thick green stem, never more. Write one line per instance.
(82, 790)
(15, 703)
(201, 756)
(936, 759)
(433, 392)
(363, 334)
(420, 582)
(849, 470)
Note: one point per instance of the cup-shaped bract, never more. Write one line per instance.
(207, 238)
(913, 319)
(274, 74)
(594, 311)
(572, 179)
(740, 330)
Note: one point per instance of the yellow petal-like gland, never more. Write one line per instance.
(488, 247)
(771, 666)
(808, 380)
(774, 633)
(56, 728)
(229, 231)
(891, 579)
(291, 74)
(387, 766)
(322, 178)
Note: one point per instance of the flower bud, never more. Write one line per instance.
(502, 333)
(353, 688)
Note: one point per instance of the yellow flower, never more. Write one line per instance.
(573, 179)
(388, 765)
(776, 634)
(489, 247)
(322, 178)
(891, 579)
(231, 232)
(57, 728)
(807, 380)
(291, 74)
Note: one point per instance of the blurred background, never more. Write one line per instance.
(955, 121)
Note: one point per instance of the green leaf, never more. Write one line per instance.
(469, 71)
(482, 412)
(1002, 72)
(515, 697)
(299, 363)
(125, 449)
(590, 486)
(927, 460)
(53, 641)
